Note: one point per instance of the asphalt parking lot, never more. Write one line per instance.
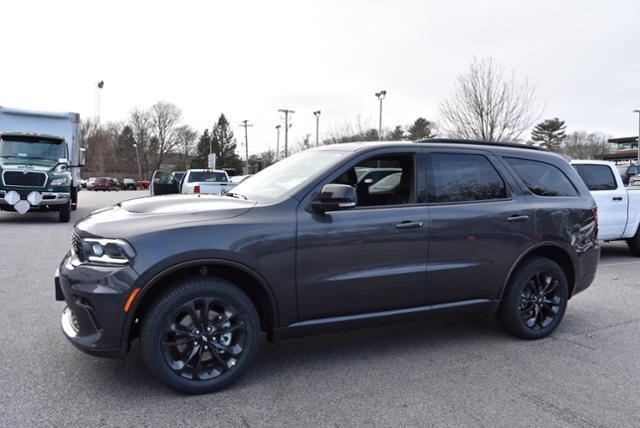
(447, 372)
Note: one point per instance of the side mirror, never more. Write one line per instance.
(335, 197)
(82, 158)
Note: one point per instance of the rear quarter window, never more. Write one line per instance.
(541, 178)
(597, 177)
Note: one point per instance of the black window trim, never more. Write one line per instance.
(492, 162)
(524, 185)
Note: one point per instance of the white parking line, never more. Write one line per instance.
(619, 264)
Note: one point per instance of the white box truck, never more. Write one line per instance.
(40, 160)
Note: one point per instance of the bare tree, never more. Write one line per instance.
(141, 127)
(165, 117)
(585, 145)
(489, 103)
(186, 138)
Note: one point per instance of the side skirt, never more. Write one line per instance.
(374, 319)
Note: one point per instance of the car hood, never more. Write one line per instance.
(142, 215)
(45, 165)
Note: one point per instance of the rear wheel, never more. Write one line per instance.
(74, 198)
(200, 336)
(64, 214)
(535, 300)
(634, 243)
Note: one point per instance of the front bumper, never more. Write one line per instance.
(94, 317)
(48, 198)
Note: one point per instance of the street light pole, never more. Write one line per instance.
(139, 167)
(638, 111)
(99, 87)
(380, 95)
(317, 115)
(286, 129)
(278, 141)
(245, 124)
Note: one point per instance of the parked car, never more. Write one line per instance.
(373, 175)
(618, 208)
(128, 184)
(628, 171)
(106, 184)
(116, 184)
(90, 182)
(237, 179)
(303, 248)
(202, 181)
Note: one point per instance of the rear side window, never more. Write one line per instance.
(597, 177)
(463, 177)
(541, 178)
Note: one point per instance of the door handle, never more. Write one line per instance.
(408, 224)
(617, 198)
(516, 218)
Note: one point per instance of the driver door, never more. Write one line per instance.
(163, 183)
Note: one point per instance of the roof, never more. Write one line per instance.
(591, 162)
(623, 140)
(439, 141)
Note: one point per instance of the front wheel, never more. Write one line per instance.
(200, 336)
(64, 215)
(535, 300)
(634, 243)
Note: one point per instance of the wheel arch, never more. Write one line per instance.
(551, 251)
(245, 278)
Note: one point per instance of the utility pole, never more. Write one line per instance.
(286, 129)
(278, 141)
(245, 124)
(306, 141)
(638, 111)
(317, 115)
(139, 166)
(380, 95)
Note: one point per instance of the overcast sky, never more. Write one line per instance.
(248, 59)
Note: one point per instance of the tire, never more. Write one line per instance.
(190, 346)
(64, 214)
(74, 198)
(533, 307)
(634, 243)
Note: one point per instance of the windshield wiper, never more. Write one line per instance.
(236, 195)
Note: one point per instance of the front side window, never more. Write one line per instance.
(460, 177)
(541, 178)
(597, 177)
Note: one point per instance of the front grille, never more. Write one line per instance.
(19, 178)
(76, 246)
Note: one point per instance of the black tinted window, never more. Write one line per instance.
(597, 177)
(541, 178)
(463, 177)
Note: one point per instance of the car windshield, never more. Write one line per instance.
(32, 148)
(100, 180)
(280, 178)
(207, 176)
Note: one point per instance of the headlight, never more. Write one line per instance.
(59, 181)
(103, 250)
(61, 168)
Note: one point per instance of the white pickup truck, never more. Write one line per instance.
(618, 206)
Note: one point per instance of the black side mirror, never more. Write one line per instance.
(335, 197)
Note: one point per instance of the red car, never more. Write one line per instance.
(105, 184)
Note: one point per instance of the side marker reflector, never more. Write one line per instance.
(132, 296)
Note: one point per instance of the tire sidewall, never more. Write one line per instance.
(165, 307)
(510, 313)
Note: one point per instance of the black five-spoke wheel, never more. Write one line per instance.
(200, 335)
(535, 300)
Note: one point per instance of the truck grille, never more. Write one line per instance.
(19, 178)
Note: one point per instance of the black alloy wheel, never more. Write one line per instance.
(204, 338)
(200, 335)
(535, 300)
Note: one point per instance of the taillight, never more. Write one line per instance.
(196, 189)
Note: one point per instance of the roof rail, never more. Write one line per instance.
(481, 143)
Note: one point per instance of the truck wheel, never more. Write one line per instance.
(535, 300)
(65, 213)
(634, 243)
(200, 336)
(74, 198)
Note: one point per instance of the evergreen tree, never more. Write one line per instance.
(397, 134)
(224, 145)
(421, 128)
(202, 151)
(549, 134)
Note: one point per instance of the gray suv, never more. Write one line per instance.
(305, 247)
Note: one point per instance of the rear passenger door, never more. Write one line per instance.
(479, 224)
